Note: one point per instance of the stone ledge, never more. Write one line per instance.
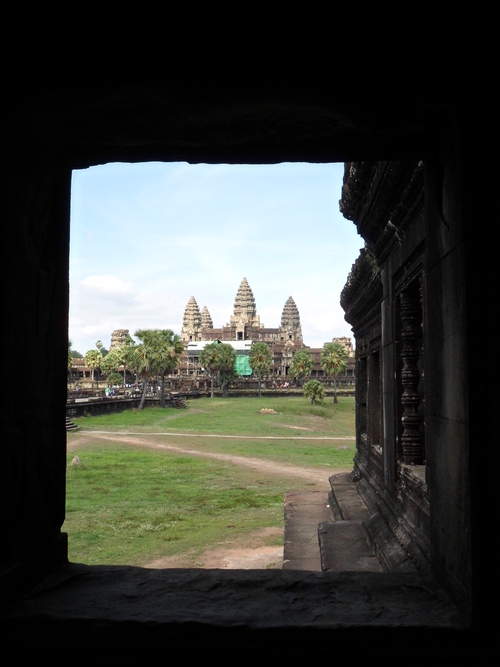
(249, 598)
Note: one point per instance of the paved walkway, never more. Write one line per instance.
(304, 510)
(325, 531)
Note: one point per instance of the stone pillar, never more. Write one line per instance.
(410, 378)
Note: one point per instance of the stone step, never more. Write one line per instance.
(70, 426)
(344, 547)
(335, 532)
(345, 501)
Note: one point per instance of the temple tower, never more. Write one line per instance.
(191, 325)
(118, 338)
(206, 319)
(245, 313)
(290, 322)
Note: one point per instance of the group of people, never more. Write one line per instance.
(283, 385)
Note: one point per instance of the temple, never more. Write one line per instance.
(244, 324)
(243, 327)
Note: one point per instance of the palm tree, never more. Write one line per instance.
(301, 365)
(158, 352)
(170, 349)
(126, 353)
(93, 360)
(314, 390)
(209, 359)
(145, 359)
(226, 362)
(260, 359)
(334, 358)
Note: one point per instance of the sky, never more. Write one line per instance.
(146, 237)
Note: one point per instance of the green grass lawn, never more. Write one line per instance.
(132, 505)
(237, 416)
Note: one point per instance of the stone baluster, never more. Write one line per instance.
(410, 377)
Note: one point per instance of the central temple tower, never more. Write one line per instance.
(245, 315)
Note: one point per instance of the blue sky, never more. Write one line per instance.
(145, 237)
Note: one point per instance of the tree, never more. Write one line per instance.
(334, 358)
(158, 351)
(170, 350)
(260, 359)
(114, 378)
(143, 356)
(301, 365)
(110, 364)
(127, 352)
(209, 359)
(101, 348)
(314, 390)
(93, 360)
(226, 361)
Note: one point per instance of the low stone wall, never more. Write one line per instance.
(100, 406)
(105, 405)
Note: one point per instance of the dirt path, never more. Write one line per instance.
(253, 553)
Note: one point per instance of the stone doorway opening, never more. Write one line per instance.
(101, 281)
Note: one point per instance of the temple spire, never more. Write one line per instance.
(244, 304)
(245, 312)
(191, 325)
(290, 321)
(206, 319)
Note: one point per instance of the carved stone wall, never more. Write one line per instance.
(386, 299)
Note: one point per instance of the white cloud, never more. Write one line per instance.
(107, 285)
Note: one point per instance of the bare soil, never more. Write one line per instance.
(252, 553)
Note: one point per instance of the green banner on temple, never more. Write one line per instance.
(241, 366)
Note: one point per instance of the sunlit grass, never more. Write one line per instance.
(130, 505)
(241, 416)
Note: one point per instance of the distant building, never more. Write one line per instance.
(245, 327)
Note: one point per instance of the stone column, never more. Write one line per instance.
(410, 377)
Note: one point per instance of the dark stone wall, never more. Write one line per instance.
(35, 265)
(414, 227)
(450, 394)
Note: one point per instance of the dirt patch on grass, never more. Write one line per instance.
(314, 478)
(254, 553)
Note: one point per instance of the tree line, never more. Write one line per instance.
(158, 352)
